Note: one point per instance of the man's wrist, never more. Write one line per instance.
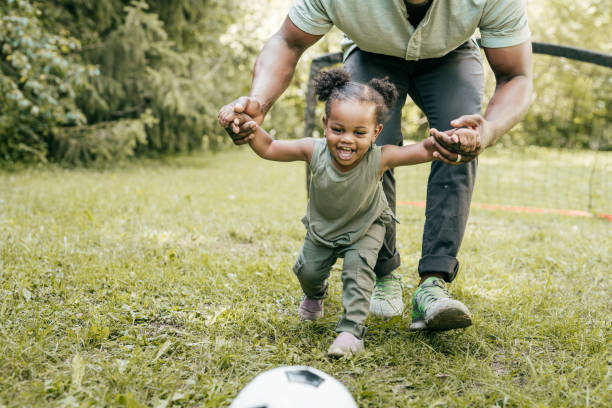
(264, 104)
(492, 135)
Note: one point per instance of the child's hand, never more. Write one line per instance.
(438, 150)
(430, 145)
(251, 124)
(447, 139)
(245, 104)
(225, 115)
(461, 144)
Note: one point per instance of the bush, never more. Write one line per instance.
(145, 79)
(38, 83)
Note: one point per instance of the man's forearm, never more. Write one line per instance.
(508, 105)
(273, 71)
(512, 67)
(276, 63)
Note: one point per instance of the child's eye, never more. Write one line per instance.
(337, 130)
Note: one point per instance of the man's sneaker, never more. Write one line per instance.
(387, 296)
(345, 344)
(433, 308)
(310, 309)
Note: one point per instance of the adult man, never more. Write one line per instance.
(426, 50)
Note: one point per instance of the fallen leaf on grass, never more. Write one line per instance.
(162, 350)
(78, 370)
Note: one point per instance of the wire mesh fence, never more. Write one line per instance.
(558, 160)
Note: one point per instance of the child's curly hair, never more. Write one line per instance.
(336, 84)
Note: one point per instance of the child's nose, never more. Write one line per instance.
(346, 136)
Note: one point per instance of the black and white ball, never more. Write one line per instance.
(294, 387)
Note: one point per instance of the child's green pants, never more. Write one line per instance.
(315, 261)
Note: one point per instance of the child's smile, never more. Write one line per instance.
(345, 152)
(350, 130)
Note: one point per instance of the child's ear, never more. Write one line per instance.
(377, 131)
(324, 119)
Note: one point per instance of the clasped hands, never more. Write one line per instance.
(468, 138)
(461, 144)
(237, 118)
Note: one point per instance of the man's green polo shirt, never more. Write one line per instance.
(382, 26)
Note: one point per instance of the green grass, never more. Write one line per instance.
(169, 283)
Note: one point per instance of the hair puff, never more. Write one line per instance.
(386, 89)
(328, 80)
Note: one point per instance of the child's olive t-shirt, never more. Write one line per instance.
(343, 205)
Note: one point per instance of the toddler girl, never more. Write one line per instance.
(347, 209)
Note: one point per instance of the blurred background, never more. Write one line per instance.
(95, 81)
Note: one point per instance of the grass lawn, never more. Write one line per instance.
(169, 283)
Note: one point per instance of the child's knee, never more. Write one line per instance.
(310, 274)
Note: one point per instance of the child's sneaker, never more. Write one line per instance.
(310, 309)
(434, 309)
(344, 345)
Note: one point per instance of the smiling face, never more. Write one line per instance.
(350, 129)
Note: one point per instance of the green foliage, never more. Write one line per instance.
(38, 82)
(140, 70)
(571, 107)
(103, 142)
(153, 58)
(154, 88)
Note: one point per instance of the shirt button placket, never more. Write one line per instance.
(412, 51)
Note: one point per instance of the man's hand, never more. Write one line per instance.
(464, 143)
(235, 118)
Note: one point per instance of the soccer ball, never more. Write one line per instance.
(294, 387)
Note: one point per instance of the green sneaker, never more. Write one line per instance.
(434, 309)
(386, 299)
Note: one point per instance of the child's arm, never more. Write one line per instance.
(280, 150)
(395, 156)
(268, 148)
